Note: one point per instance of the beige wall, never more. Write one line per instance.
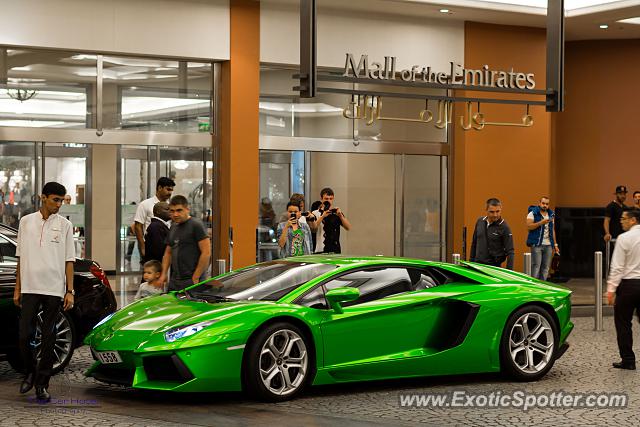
(413, 40)
(364, 189)
(104, 205)
(185, 28)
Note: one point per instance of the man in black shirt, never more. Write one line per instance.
(156, 235)
(492, 239)
(613, 213)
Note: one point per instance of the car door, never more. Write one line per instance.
(388, 324)
(8, 311)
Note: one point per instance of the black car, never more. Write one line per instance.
(93, 301)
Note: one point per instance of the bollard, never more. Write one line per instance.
(222, 266)
(598, 301)
(230, 248)
(607, 256)
(527, 263)
(455, 258)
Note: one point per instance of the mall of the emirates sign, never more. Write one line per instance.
(363, 68)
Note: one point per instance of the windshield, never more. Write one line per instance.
(268, 281)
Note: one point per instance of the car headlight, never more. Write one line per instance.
(185, 331)
(104, 320)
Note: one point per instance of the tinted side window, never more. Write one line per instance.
(374, 284)
(7, 252)
(314, 299)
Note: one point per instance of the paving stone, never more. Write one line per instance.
(585, 368)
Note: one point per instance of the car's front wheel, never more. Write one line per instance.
(528, 345)
(278, 363)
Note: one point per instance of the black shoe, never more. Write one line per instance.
(42, 395)
(625, 365)
(27, 383)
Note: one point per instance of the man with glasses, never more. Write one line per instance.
(44, 281)
(623, 285)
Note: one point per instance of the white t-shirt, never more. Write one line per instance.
(545, 236)
(144, 212)
(44, 247)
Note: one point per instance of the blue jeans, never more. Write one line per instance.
(541, 261)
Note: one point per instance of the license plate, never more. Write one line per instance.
(107, 357)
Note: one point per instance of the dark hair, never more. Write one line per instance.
(297, 198)
(544, 197)
(315, 205)
(635, 192)
(165, 182)
(179, 200)
(292, 203)
(154, 264)
(159, 207)
(633, 213)
(328, 191)
(493, 202)
(54, 188)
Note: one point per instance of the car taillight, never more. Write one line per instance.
(98, 272)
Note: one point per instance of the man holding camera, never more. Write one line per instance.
(541, 238)
(328, 223)
(294, 235)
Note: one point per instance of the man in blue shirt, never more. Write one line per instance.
(541, 238)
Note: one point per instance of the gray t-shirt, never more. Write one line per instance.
(183, 239)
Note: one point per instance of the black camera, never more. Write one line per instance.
(326, 205)
(333, 210)
(292, 215)
(309, 216)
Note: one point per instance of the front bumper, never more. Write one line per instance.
(200, 369)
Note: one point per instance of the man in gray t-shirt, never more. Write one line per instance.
(188, 247)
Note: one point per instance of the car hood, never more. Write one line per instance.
(137, 322)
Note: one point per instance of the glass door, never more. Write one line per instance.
(192, 171)
(282, 173)
(18, 186)
(70, 164)
(137, 183)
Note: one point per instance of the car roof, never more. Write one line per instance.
(8, 231)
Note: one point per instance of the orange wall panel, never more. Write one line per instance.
(510, 163)
(596, 136)
(239, 134)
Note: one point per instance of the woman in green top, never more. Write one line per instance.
(294, 237)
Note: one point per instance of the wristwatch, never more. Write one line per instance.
(71, 291)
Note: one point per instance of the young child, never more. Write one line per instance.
(151, 285)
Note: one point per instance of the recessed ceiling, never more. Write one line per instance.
(583, 17)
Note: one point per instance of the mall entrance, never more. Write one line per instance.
(26, 166)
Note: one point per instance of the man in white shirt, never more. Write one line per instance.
(44, 281)
(144, 212)
(623, 285)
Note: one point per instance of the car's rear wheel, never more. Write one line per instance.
(63, 347)
(528, 345)
(278, 363)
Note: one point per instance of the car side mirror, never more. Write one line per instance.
(340, 295)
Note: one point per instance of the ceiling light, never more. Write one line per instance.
(444, 10)
(635, 20)
(604, 26)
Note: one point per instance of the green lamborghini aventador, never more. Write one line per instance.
(273, 328)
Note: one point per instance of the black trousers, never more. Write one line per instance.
(627, 300)
(31, 305)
